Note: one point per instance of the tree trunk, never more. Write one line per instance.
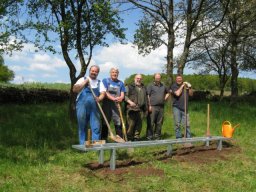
(170, 45)
(72, 75)
(184, 55)
(234, 69)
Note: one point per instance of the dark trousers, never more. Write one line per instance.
(134, 124)
(155, 122)
(111, 112)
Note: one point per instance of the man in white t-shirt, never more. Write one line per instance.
(86, 106)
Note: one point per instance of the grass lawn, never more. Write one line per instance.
(36, 154)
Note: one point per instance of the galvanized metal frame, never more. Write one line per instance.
(169, 142)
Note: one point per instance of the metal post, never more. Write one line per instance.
(101, 156)
(207, 142)
(169, 150)
(113, 159)
(219, 145)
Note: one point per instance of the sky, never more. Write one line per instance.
(45, 67)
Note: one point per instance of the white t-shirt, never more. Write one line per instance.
(93, 82)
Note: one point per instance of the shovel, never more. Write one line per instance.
(116, 138)
(122, 120)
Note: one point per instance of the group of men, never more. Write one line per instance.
(140, 101)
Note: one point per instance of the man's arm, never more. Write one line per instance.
(80, 84)
(190, 92)
(179, 91)
(101, 96)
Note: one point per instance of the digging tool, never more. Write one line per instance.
(185, 110)
(187, 145)
(116, 138)
(122, 120)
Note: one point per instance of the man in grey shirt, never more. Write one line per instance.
(157, 95)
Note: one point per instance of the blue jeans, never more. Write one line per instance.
(179, 120)
(87, 110)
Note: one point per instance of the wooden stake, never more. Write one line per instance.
(89, 136)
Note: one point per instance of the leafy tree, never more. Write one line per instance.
(164, 21)
(5, 73)
(230, 48)
(199, 23)
(157, 25)
(78, 25)
(9, 29)
(240, 30)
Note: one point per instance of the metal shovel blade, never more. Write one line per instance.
(117, 138)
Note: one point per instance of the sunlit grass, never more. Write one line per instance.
(36, 154)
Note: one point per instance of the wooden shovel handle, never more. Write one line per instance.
(122, 120)
(104, 116)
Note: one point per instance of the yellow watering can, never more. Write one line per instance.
(227, 129)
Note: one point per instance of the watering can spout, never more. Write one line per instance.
(227, 129)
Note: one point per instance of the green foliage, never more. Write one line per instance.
(148, 35)
(5, 73)
(203, 82)
(9, 27)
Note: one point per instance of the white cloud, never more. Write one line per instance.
(17, 68)
(127, 57)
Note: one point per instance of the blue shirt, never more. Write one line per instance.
(114, 87)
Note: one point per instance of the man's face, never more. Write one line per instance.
(179, 80)
(138, 80)
(94, 73)
(157, 78)
(114, 74)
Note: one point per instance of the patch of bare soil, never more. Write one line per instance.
(194, 154)
(204, 155)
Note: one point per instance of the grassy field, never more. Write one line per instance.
(36, 154)
(37, 85)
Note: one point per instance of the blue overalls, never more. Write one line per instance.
(87, 110)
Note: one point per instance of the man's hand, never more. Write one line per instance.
(132, 104)
(118, 99)
(187, 84)
(149, 108)
(98, 99)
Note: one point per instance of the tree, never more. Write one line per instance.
(79, 26)
(153, 29)
(174, 19)
(199, 23)
(210, 55)
(5, 73)
(240, 28)
(8, 26)
(230, 48)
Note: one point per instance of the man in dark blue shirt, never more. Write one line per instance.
(180, 106)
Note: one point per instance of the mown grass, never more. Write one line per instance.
(36, 154)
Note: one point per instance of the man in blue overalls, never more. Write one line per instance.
(115, 90)
(86, 106)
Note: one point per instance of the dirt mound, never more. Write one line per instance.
(194, 154)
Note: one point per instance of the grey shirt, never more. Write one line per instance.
(157, 94)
